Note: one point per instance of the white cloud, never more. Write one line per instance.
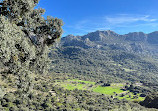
(126, 18)
(113, 22)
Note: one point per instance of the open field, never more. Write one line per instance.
(115, 89)
(107, 90)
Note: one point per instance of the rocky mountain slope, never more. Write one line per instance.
(106, 55)
(138, 42)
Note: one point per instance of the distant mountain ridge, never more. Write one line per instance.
(133, 41)
(131, 36)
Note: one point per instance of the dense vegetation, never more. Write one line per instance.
(108, 65)
(26, 85)
(48, 96)
(151, 101)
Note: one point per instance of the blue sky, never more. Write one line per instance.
(121, 16)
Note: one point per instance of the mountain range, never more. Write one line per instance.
(138, 42)
(108, 56)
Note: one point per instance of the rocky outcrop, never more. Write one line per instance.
(138, 42)
(136, 36)
(153, 38)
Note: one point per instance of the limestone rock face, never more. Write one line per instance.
(136, 36)
(153, 38)
(137, 42)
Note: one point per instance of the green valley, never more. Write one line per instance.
(115, 90)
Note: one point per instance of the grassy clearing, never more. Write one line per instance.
(107, 90)
(114, 90)
(73, 86)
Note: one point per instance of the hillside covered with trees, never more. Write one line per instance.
(32, 70)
